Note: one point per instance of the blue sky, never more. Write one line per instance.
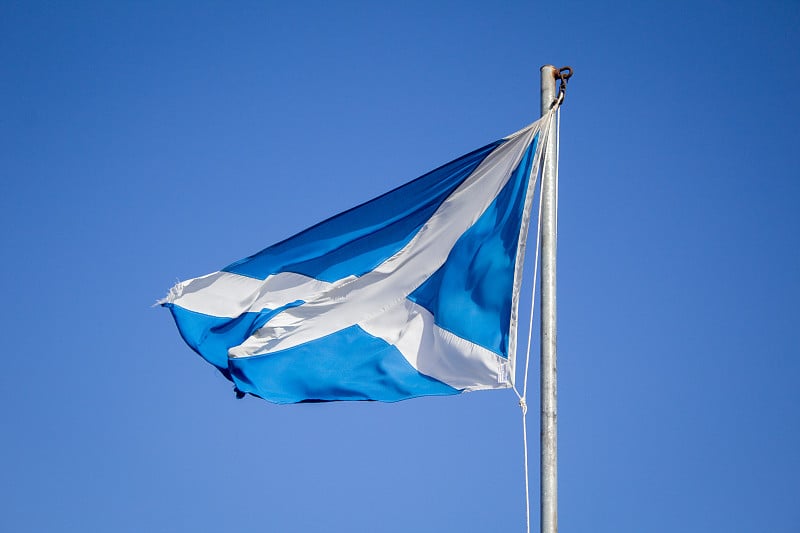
(146, 142)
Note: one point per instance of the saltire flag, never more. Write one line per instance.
(413, 293)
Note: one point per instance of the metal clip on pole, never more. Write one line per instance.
(563, 74)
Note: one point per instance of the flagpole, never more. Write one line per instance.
(548, 420)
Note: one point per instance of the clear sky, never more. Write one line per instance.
(146, 142)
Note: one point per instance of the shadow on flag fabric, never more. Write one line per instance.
(411, 294)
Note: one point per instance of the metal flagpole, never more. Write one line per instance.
(548, 420)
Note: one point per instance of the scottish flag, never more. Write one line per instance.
(411, 294)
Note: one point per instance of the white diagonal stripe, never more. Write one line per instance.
(229, 295)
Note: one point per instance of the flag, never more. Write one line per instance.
(413, 293)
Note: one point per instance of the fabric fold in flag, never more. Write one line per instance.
(413, 293)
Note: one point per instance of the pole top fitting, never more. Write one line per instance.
(562, 74)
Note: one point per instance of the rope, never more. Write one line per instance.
(522, 403)
(558, 148)
(522, 397)
(524, 407)
(533, 292)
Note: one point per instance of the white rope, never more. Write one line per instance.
(522, 403)
(533, 292)
(558, 148)
(533, 289)
(524, 407)
(522, 397)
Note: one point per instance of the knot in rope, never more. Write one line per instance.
(524, 406)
